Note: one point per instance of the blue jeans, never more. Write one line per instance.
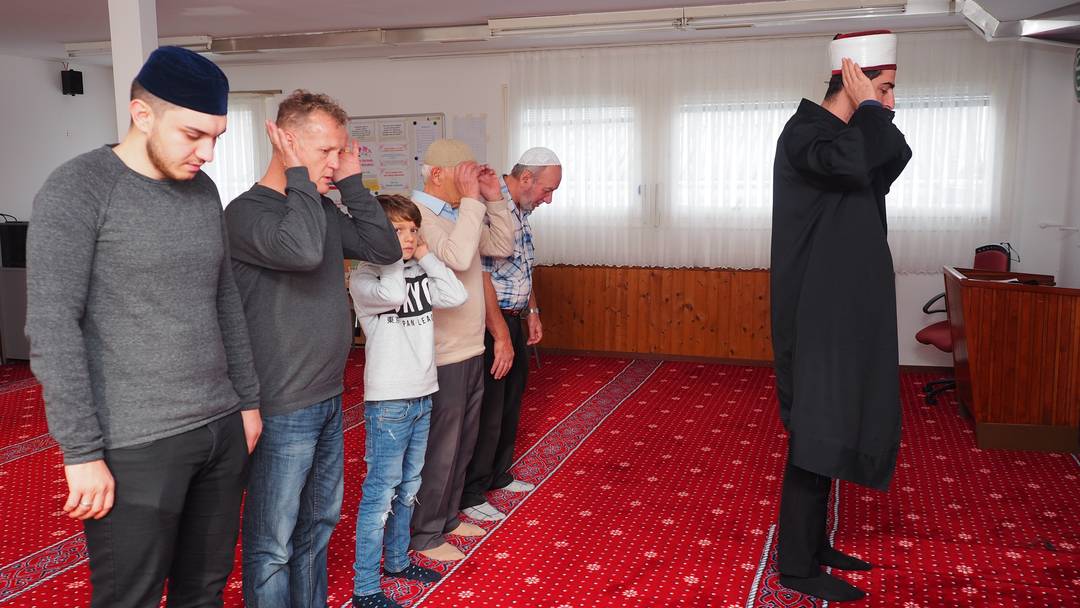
(300, 454)
(394, 447)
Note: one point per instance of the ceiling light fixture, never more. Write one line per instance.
(721, 16)
(588, 23)
(295, 42)
(777, 20)
(199, 44)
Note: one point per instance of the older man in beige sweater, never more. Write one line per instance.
(464, 216)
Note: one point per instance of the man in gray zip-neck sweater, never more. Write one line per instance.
(139, 340)
(289, 243)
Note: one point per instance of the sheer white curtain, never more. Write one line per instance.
(585, 105)
(668, 150)
(242, 153)
(728, 104)
(954, 96)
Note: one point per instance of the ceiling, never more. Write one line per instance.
(1055, 21)
(1014, 10)
(36, 28)
(41, 28)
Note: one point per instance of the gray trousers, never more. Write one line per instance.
(455, 419)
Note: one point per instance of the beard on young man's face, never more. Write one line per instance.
(170, 169)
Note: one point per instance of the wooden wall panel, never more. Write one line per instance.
(664, 311)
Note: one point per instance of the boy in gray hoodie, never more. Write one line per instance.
(393, 304)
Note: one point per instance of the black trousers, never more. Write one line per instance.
(804, 504)
(176, 516)
(455, 413)
(500, 413)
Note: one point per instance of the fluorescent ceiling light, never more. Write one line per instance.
(421, 35)
(588, 23)
(605, 28)
(293, 42)
(283, 43)
(776, 20)
(788, 8)
(747, 14)
(199, 44)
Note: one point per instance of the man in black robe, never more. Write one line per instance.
(834, 304)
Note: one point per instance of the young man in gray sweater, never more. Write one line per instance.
(289, 243)
(138, 338)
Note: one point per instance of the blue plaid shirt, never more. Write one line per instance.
(512, 276)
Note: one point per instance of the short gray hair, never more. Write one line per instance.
(534, 169)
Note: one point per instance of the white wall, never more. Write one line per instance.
(453, 86)
(41, 127)
(1070, 252)
(1048, 161)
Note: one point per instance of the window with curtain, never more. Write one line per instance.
(605, 183)
(697, 191)
(243, 151)
(959, 170)
(722, 160)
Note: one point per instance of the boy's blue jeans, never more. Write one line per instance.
(396, 434)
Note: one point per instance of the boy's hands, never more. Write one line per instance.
(421, 248)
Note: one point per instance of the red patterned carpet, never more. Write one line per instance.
(658, 485)
(14, 372)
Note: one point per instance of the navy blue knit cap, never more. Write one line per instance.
(187, 79)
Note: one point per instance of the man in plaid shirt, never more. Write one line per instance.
(509, 298)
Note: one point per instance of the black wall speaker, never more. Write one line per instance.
(71, 82)
(13, 244)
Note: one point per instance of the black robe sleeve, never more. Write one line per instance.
(842, 159)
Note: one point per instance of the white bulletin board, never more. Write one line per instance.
(391, 148)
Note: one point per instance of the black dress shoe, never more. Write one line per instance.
(823, 586)
(415, 573)
(375, 600)
(835, 559)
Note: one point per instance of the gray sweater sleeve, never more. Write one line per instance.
(234, 333)
(368, 235)
(60, 252)
(291, 241)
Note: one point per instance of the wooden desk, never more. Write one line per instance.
(1016, 349)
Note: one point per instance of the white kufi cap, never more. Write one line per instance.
(539, 157)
